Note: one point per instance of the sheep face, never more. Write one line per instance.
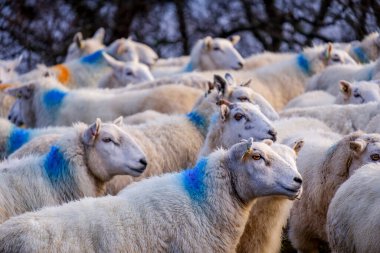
(366, 149)
(220, 54)
(111, 151)
(259, 171)
(358, 92)
(123, 50)
(128, 72)
(80, 47)
(22, 111)
(339, 57)
(242, 121)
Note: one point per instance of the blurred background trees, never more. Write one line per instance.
(43, 29)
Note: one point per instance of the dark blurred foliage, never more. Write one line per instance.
(43, 29)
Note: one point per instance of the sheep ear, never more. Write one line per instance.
(224, 112)
(99, 35)
(234, 39)
(112, 62)
(90, 134)
(358, 146)
(17, 61)
(268, 142)
(22, 92)
(4, 86)
(345, 88)
(246, 83)
(327, 53)
(230, 79)
(119, 121)
(207, 43)
(78, 39)
(297, 146)
(220, 84)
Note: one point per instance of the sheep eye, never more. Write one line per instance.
(336, 58)
(256, 157)
(238, 116)
(216, 48)
(375, 157)
(243, 99)
(129, 73)
(356, 95)
(9, 70)
(107, 140)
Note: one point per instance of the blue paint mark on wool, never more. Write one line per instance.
(189, 67)
(198, 120)
(361, 54)
(53, 98)
(17, 138)
(303, 63)
(94, 58)
(193, 180)
(56, 166)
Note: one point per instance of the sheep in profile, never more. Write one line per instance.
(124, 73)
(209, 54)
(8, 69)
(330, 77)
(81, 47)
(48, 103)
(76, 166)
(208, 204)
(325, 164)
(353, 215)
(357, 92)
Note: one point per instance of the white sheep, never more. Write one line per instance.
(124, 73)
(330, 77)
(343, 119)
(366, 50)
(76, 166)
(203, 209)
(81, 47)
(324, 163)
(357, 92)
(353, 215)
(47, 103)
(209, 54)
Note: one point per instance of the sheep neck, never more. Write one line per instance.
(60, 172)
(304, 64)
(94, 59)
(360, 54)
(199, 120)
(16, 139)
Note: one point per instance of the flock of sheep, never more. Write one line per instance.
(117, 150)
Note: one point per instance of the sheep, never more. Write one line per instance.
(352, 218)
(324, 164)
(203, 209)
(330, 77)
(268, 216)
(357, 92)
(80, 47)
(210, 54)
(48, 103)
(343, 119)
(124, 73)
(8, 69)
(77, 165)
(262, 59)
(366, 50)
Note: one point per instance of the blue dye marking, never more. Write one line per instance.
(53, 98)
(17, 138)
(303, 63)
(56, 166)
(94, 58)
(189, 67)
(198, 120)
(361, 54)
(192, 180)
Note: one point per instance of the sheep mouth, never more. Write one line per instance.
(295, 192)
(138, 170)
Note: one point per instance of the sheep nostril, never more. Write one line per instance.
(143, 162)
(273, 133)
(240, 64)
(298, 180)
(9, 117)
